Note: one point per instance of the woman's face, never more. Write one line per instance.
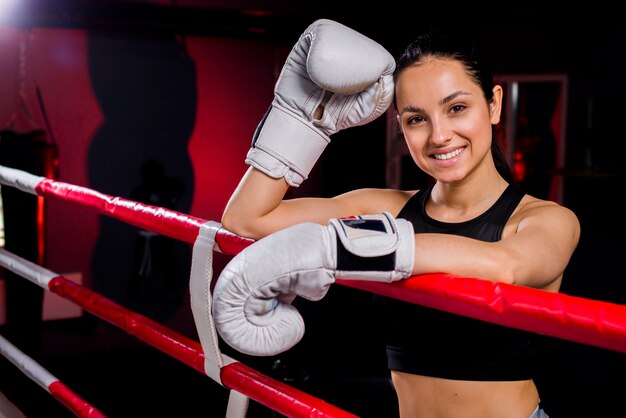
(445, 118)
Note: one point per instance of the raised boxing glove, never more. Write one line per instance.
(334, 78)
(251, 298)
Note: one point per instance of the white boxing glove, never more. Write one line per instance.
(251, 298)
(334, 78)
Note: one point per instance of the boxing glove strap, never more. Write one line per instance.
(299, 152)
(373, 246)
(347, 261)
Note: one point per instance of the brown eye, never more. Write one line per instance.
(457, 108)
(414, 120)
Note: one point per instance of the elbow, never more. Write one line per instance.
(505, 269)
(245, 225)
(239, 225)
(228, 219)
(506, 275)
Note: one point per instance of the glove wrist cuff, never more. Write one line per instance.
(286, 146)
(374, 247)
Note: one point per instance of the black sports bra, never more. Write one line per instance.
(431, 342)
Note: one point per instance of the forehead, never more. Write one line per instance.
(433, 77)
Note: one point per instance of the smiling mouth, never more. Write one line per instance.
(448, 155)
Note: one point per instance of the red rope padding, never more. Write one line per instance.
(160, 220)
(153, 218)
(73, 402)
(271, 393)
(285, 399)
(230, 243)
(178, 346)
(595, 323)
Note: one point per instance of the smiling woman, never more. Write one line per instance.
(470, 219)
(531, 134)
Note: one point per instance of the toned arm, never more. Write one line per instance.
(537, 245)
(257, 208)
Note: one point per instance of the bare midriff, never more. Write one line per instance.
(431, 397)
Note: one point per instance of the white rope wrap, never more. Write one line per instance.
(27, 269)
(19, 179)
(26, 364)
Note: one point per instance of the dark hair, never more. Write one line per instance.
(466, 51)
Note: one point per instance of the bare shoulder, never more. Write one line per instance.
(532, 210)
(373, 200)
(531, 205)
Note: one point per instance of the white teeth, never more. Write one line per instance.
(448, 155)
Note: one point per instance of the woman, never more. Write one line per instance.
(471, 222)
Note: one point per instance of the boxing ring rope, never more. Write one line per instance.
(269, 392)
(596, 323)
(46, 380)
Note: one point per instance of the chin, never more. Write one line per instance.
(449, 178)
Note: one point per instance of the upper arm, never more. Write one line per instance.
(542, 244)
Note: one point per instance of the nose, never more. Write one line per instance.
(441, 131)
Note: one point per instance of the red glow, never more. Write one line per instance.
(41, 228)
(519, 166)
(256, 12)
(228, 112)
(51, 164)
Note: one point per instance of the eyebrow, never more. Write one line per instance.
(453, 96)
(445, 100)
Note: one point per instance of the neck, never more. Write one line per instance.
(475, 191)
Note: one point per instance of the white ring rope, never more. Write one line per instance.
(46, 380)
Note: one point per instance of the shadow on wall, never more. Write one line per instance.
(146, 88)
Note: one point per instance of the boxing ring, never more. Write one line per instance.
(576, 319)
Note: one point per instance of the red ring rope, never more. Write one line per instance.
(269, 392)
(596, 323)
(265, 390)
(577, 319)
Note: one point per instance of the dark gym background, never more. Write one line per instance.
(156, 101)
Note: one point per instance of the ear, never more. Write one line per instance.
(495, 106)
(399, 123)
